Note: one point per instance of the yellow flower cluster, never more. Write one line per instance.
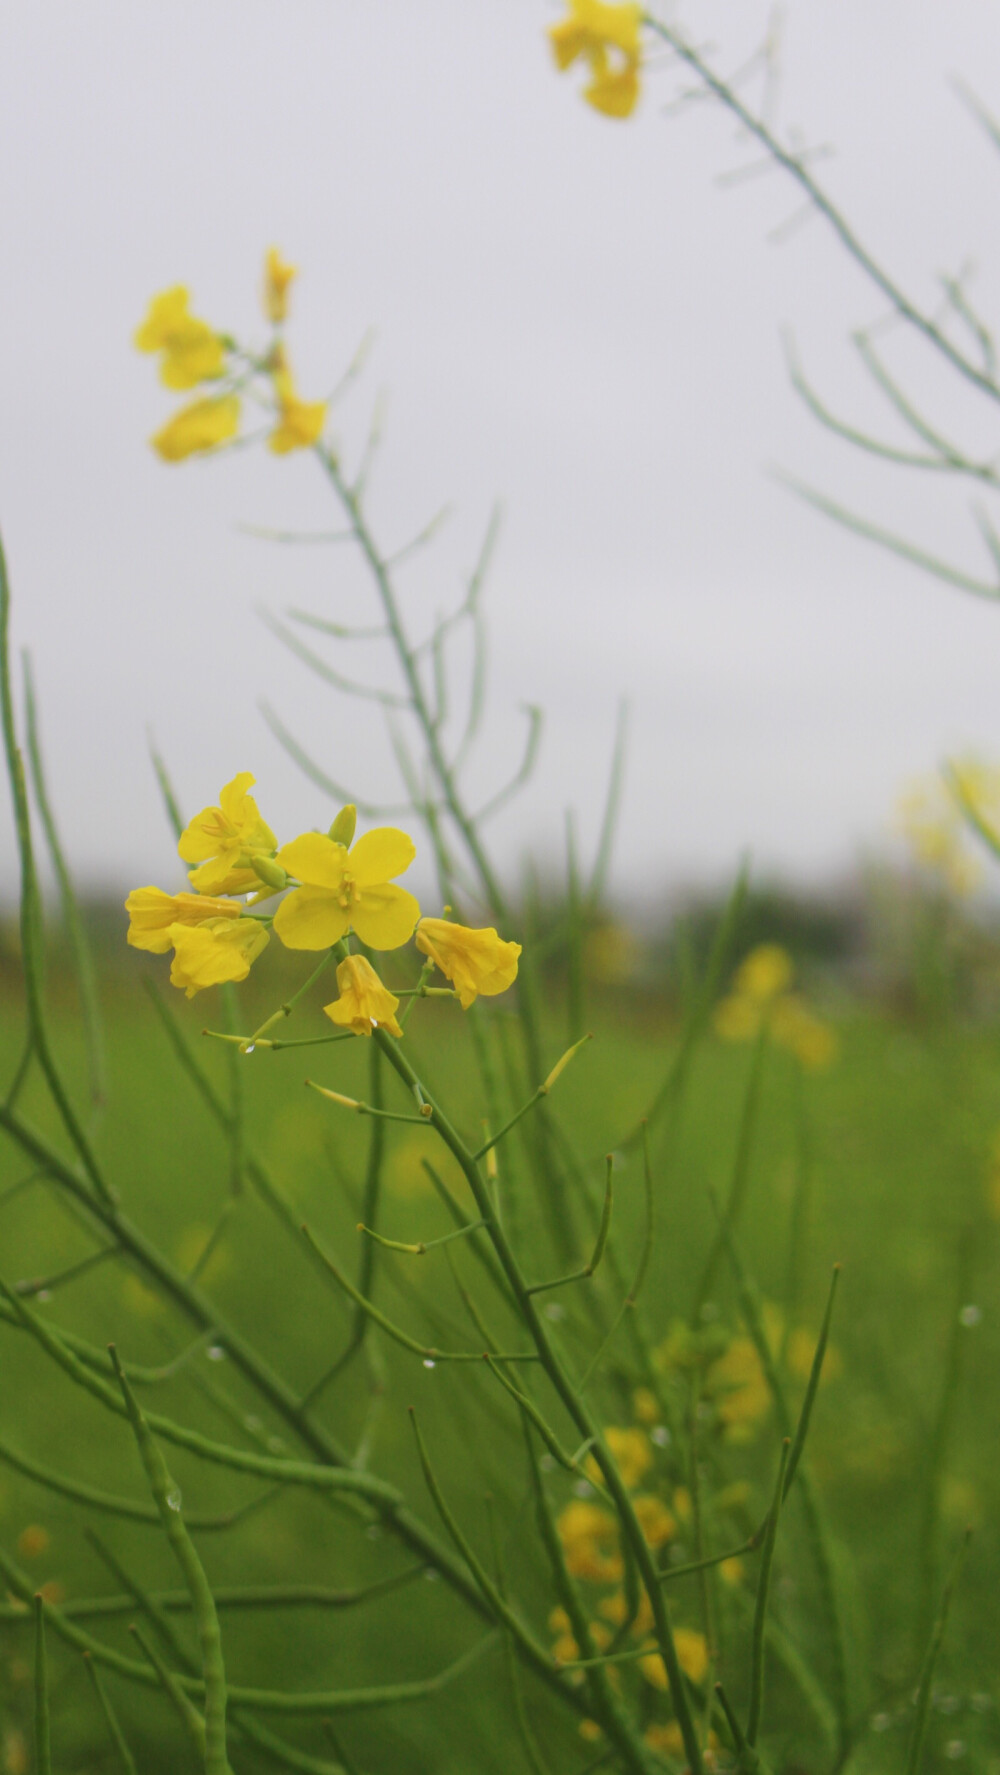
(608, 38)
(192, 353)
(760, 996)
(336, 886)
(734, 1381)
(591, 1542)
(934, 815)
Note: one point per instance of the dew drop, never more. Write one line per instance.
(251, 1421)
(970, 1315)
(709, 1311)
(215, 1353)
(431, 1575)
(276, 1444)
(982, 1703)
(174, 1499)
(547, 1463)
(429, 1362)
(44, 1294)
(954, 1749)
(583, 1489)
(660, 1435)
(947, 1703)
(250, 1047)
(881, 1722)
(555, 1312)
(374, 1531)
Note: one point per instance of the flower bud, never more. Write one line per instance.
(342, 830)
(269, 872)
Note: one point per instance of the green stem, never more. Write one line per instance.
(578, 1411)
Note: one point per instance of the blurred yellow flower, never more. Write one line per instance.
(732, 1571)
(300, 423)
(645, 1405)
(277, 277)
(364, 1003)
(655, 1519)
(797, 1028)
(224, 839)
(614, 1608)
(33, 1541)
(204, 425)
(221, 949)
(632, 1451)
(765, 972)
(607, 37)
(800, 1350)
(192, 352)
(738, 1383)
(590, 1542)
(474, 961)
(737, 1019)
(933, 819)
(692, 1655)
(152, 912)
(345, 889)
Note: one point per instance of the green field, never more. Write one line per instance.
(893, 1182)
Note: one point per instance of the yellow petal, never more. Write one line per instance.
(205, 955)
(166, 313)
(614, 94)
(192, 353)
(381, 855)
(221, 876)
(277, 277)
(475, 961)
(364, 1003)
(151, 913)
(314, 859)
(201, 426)
(299, 426)
(310, 918)
(385, 917)
(234, 801)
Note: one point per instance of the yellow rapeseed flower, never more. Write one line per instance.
(765, 972)
(300, 423)
(655, 1520)
(738, 1381)
(192, 352)
(798, 1029)
(692, 1656)
(344, 890)
(225, 839)
(632, 1451)
(277, 277)
(221, 949)
(474, 961)
(152, 913)
(590, 1542)
(737, 1018)
(203, 425)
(607, 38)
(364, 1003)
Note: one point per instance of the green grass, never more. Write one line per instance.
(900, 1132)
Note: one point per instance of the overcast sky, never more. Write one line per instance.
(572, 316)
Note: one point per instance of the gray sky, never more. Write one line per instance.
(572, 316)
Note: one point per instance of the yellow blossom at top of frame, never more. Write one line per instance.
(221, 949)
(364, 1003)
(300, 423)
(152, 912)
(608, 38)
(475, 961)
(589, 1536)
(342, 890)
(278, 275)
(692, 1656)
(223, 840)
(203, 425)
(192, 351)
(764, 972)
